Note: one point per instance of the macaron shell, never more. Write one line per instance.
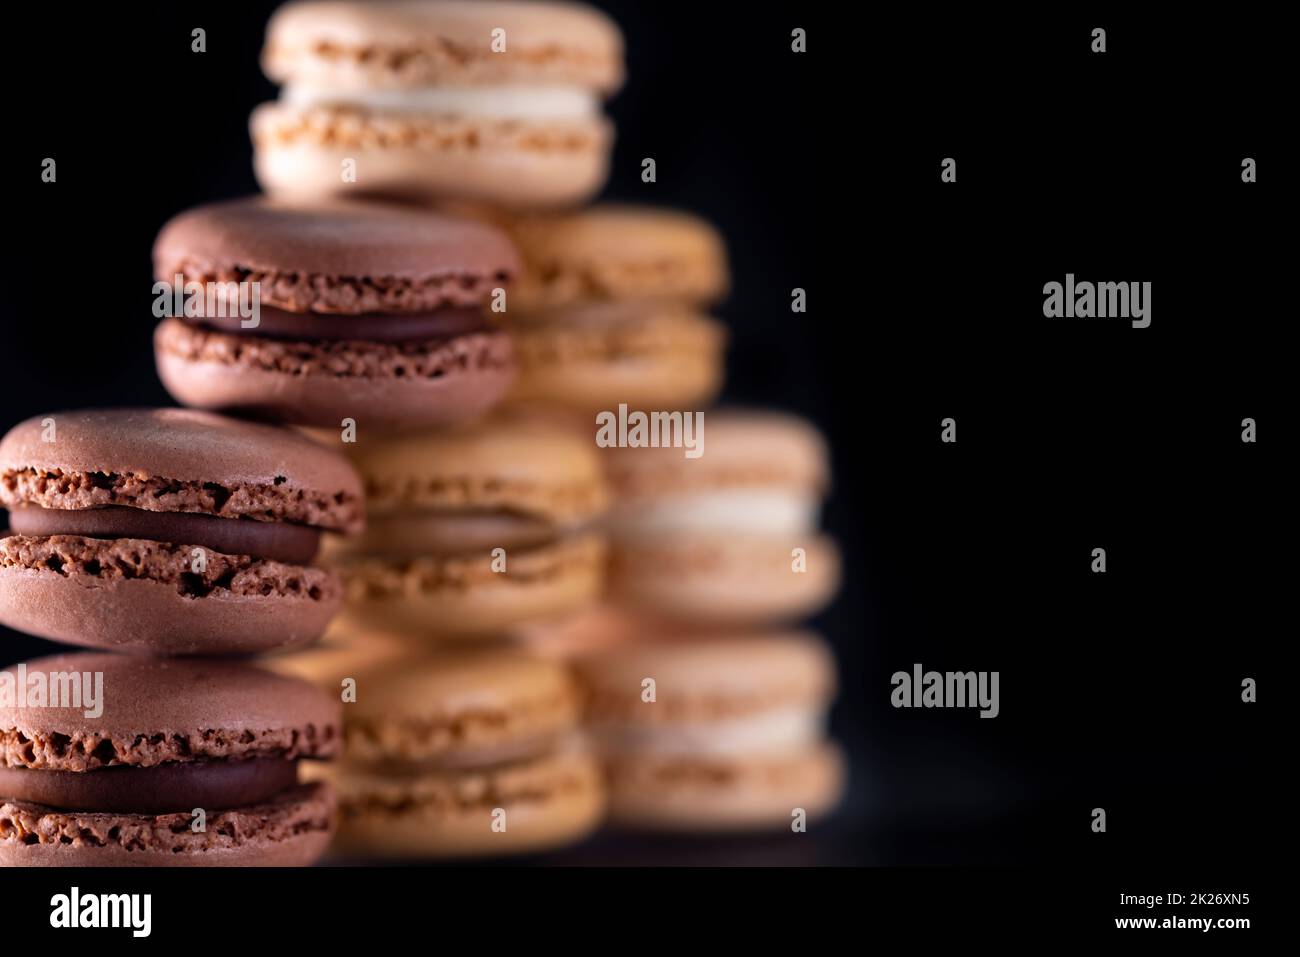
(664, 359)
(518, 165)
(139, 616)
(296, 382)
(702, 677)
(548, 802)
(237, 468)
(156, 710)
(515, 462)
(292, 830)
(726, 579)
(460, 707)
(614, 252)
(742, 448)
(463, 597)
(724, 795)
(406, 259)
(453, 685)
(444, 42)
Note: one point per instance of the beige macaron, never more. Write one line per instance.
(475, 531)
(465, 752)
(714, 734)
(729, 536)
(612, 307)
(498, 102)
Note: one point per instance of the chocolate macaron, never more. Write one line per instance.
(728, 537)
(476, 530)
(169, 531)
(108, 760)
(714, 734)
(457, 753)
(612, 307)
(493, 101)
(368, 312)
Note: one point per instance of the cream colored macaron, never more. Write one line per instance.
(714, 734)
(730, 536)
(492, 101)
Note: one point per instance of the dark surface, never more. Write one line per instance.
(1120, 691)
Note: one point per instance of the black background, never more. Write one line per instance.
(1120, 690)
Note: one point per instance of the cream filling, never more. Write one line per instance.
(772, 732)
(774, 512)
(490, 102)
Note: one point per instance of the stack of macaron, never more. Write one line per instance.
(414, 329)
(711, 716)
(161, 533)
(490, 111)
(382, 332)
(456, 743)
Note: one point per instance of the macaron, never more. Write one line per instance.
(611, 307)
(476, 530)
(714, 734)
(107, 760)
(169, 531)
(730, 536)
(457, 753)
(367, 312)
(491, 101)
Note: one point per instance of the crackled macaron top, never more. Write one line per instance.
(169, 531)
(366, 311)
(112, 774)
(476, 529)
(498, 101)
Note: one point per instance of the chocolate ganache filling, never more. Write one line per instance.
(274, 323)
(405, 535)
(161, 789)
(276, 541)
